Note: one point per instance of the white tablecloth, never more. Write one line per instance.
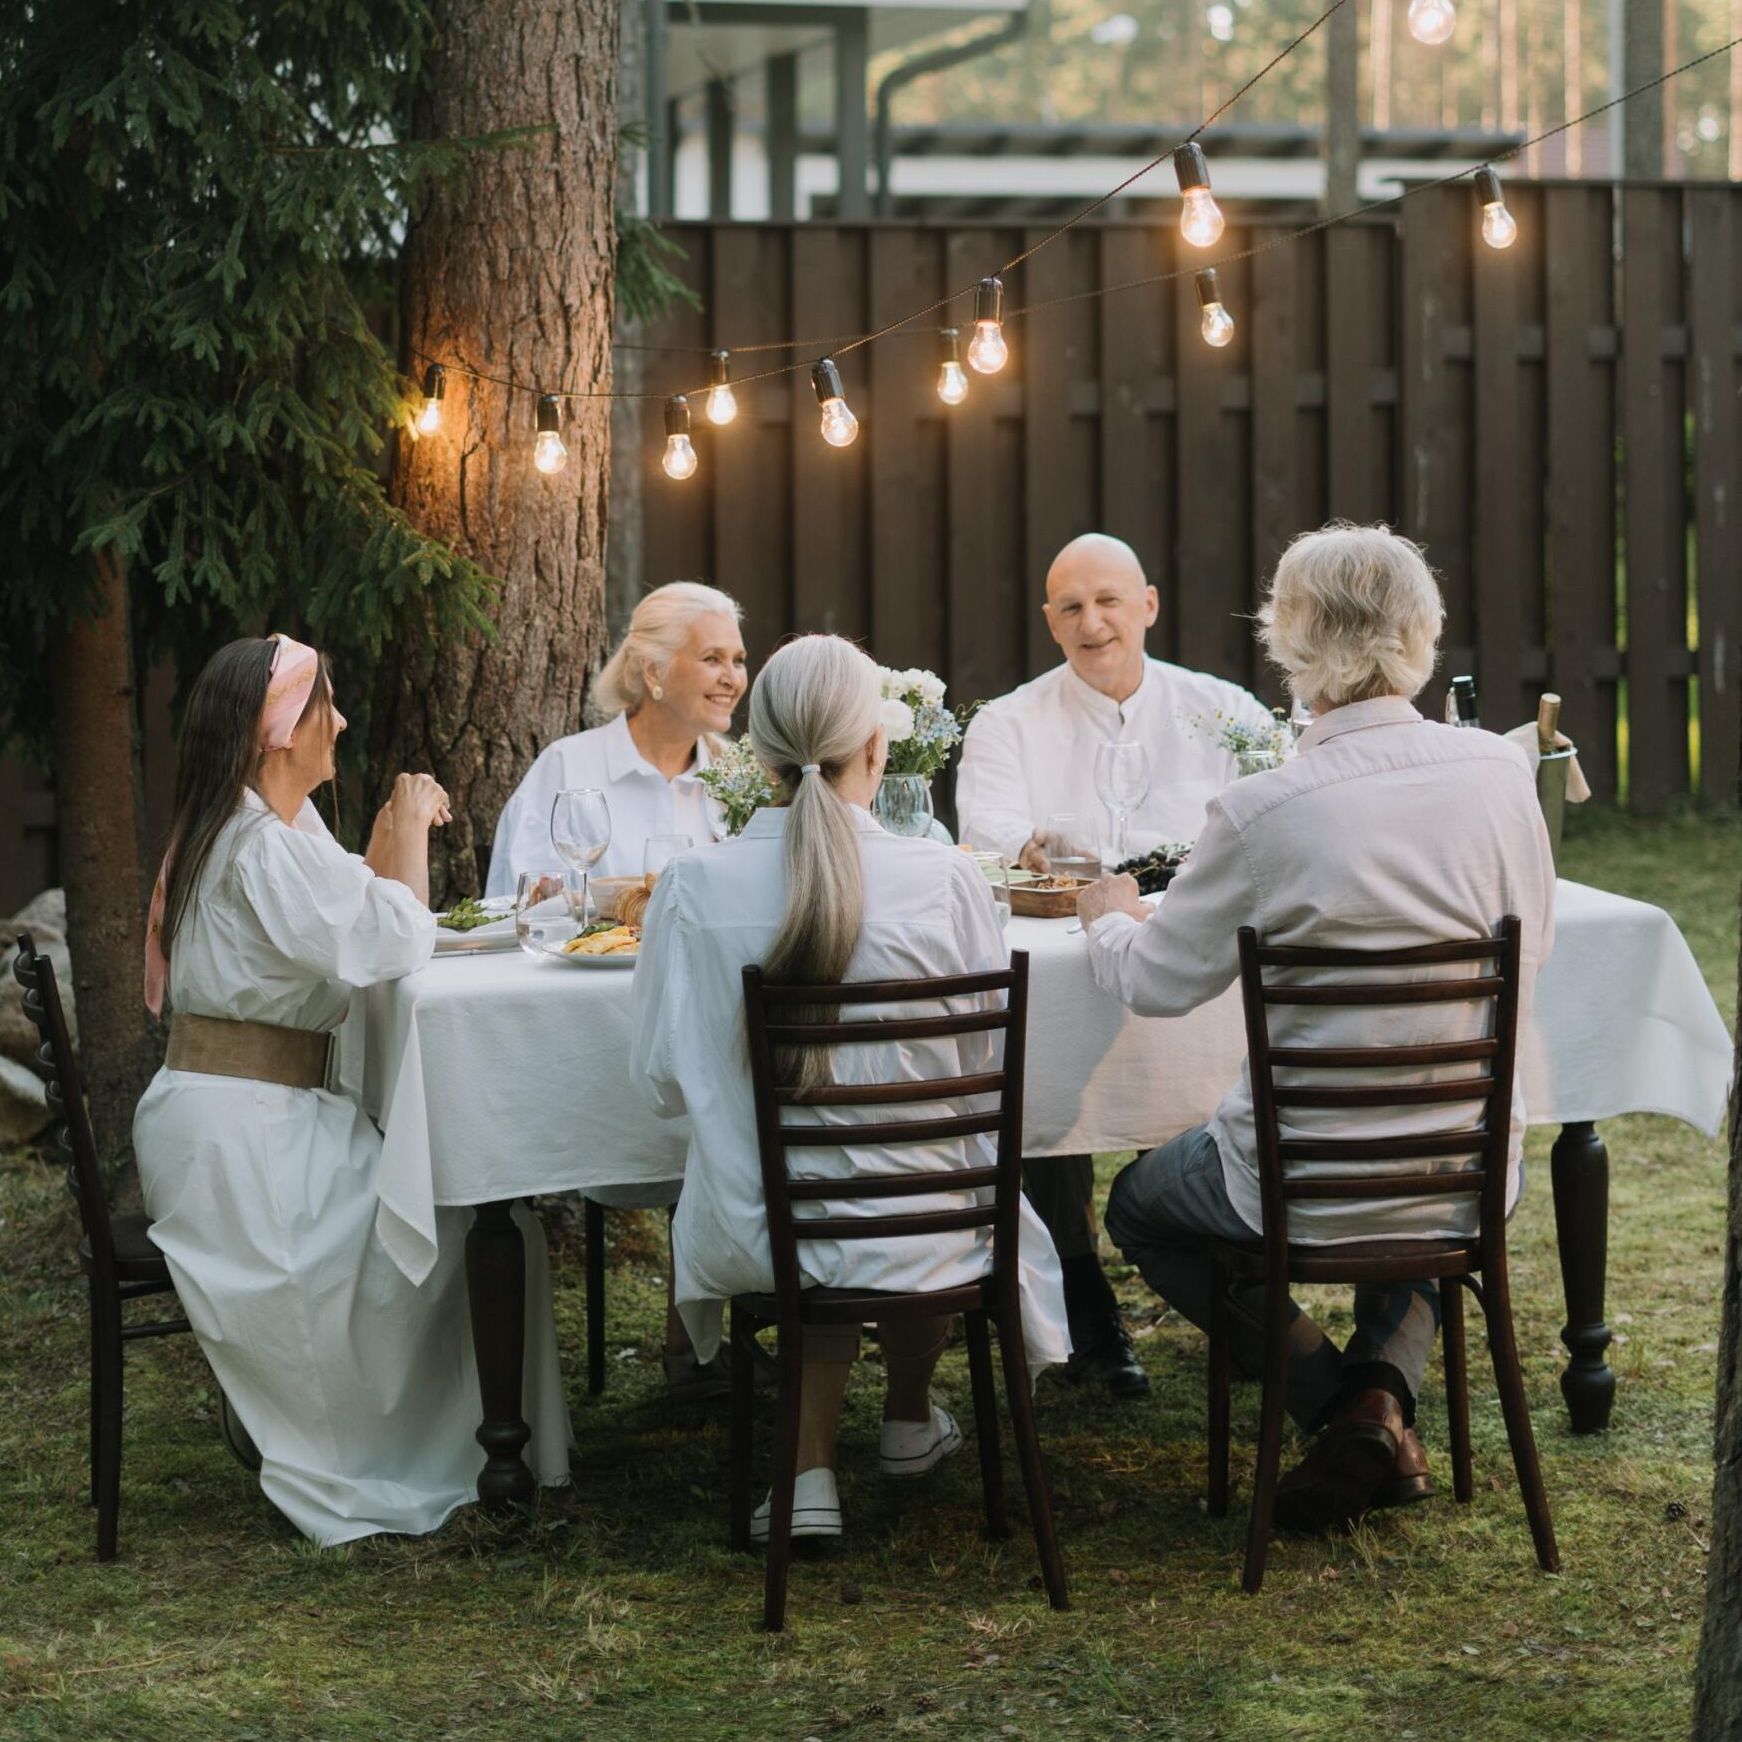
(500, 1076)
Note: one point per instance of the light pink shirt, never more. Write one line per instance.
(1387, 830)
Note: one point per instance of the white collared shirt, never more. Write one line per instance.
(1387, 830)
(1031, 754)
(928, 911)
(641, 800)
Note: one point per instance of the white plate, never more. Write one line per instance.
(497, 934)
(623, 959)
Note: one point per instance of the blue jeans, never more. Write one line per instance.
(1162, 1213)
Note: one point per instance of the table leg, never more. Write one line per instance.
(1580, 1167)
(496, 1285)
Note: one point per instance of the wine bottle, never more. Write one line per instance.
(1461, 703)
(1548, 720)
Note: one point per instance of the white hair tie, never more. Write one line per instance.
(811, 768)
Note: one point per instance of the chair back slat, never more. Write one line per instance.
(56, 1064)
(1458, 991)
(1483, 1146)
(896, 1028)
(892, 1094)
(841, 1136)
(914, 1183)
(769, 1024)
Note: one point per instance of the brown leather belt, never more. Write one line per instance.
(261, 1051)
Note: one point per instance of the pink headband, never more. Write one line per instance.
(288, 687)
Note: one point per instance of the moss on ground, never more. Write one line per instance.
(616, 1612)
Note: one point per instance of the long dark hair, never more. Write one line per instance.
(220, 758)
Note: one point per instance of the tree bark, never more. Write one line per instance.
(1718, 1677)
(99, 808)
(510, 274)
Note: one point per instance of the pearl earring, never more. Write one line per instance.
(657, 693)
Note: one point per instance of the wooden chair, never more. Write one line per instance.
(117, 1253)
(994, 1299)
(1477, 1263)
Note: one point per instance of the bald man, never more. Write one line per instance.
(1031, 755)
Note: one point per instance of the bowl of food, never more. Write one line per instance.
(1046, 897)
(1155, 870)
(606, 892)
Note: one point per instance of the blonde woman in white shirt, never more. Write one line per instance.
(673, 684)
(1386, 831)
(815, 891)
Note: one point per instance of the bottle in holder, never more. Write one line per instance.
(1461, 703)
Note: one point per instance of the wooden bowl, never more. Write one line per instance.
(1028, 902)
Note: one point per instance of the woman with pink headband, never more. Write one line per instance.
(356, 1387)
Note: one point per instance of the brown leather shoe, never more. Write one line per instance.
(1410, 1482)
(1354, 1458)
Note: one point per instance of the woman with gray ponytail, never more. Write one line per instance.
(815, 891)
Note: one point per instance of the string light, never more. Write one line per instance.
(548, 452)
(1218, 326)
(1200, 219)
(722, 401)
(435, 387)
(680, 456)
(1499, 227)
(987, 351)
(1432, 21)
(952, 378)
(840, 426)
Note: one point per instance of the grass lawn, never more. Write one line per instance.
(617, 1612)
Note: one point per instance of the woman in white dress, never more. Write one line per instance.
(816, 891)
(670, 688)
(357, 1386)
(673, 683)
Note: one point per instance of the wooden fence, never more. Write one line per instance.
(1560, 425)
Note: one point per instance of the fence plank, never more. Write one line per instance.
(675, 535)
(1357, 349)
(1581, 473)
(1715, 402)
(1652, 472)
(1133, 498)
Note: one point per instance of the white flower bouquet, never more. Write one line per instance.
(738, 782)
(1254, 747)
(922, 731)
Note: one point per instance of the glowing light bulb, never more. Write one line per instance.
(952, 382)
(840, 426)
(1432, 21)
(987, 351)
(435, 385)
(680, 456)
(1499, 227)
(548, 452)
(1200, 219)
(722, 404)
(1218, 324)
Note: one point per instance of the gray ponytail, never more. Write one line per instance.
(814, 706)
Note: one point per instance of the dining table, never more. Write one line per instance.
(497, 1076)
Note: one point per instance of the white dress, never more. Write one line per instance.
(928, 911)
(358, 1387)
(641, 800)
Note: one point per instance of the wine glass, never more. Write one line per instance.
(1068, 840)
(1121, 784)
(659, 852)
(580, 830)
(548, 909)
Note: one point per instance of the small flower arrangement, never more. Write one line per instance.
(1253, 747)
(922, 731)
(738, 782)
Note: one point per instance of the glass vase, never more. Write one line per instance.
(1254, 761)
(903, 804)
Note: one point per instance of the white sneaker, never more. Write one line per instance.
(816, 1508)
(910, 1448)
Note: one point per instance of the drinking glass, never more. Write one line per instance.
(659, 852)
(1068, 840)
(580, 831)
(995, 868)
(548, 909)
(1121, 784)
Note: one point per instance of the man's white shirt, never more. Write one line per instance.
(1031, 754)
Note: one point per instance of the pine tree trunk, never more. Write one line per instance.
(1718, 1678)
(99, 807)
(509, 273)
